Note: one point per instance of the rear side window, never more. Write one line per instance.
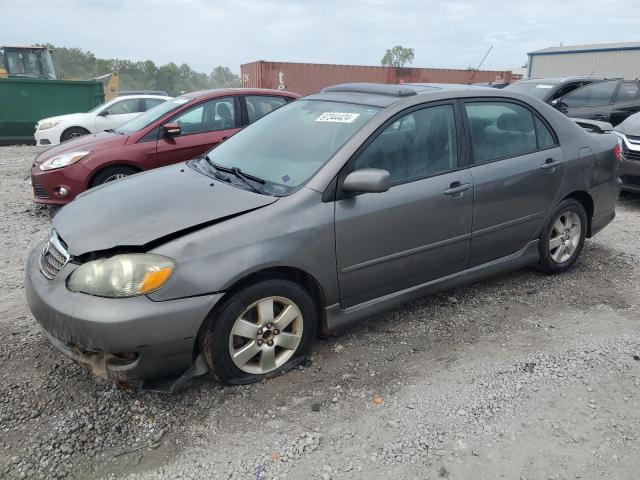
(592, 95)
(259, 105)
(501, 129)
(417, 145)
(544, 136)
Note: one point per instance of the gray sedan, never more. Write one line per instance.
(325, 212)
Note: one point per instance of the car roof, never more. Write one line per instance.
(384, 95)
(555, 80)
(163, 97)
(218, 92)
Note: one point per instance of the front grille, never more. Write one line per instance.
(633, 138)
(631, 154)
(54, 256)
(38, 190)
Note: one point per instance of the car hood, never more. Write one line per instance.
(150, 206)
(91, 143)
(70, 117)
(631, 126)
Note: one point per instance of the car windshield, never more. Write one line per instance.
(286, 147)
(151, 115)
(534, 89)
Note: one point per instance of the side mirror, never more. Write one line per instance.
(171, 129)
(104, 113)
(367, 180)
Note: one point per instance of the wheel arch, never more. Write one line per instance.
(116, 163)
(293, 274)
(78, 127)
(587, 202)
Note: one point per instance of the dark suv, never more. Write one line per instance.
(550, 89)
(608, 101)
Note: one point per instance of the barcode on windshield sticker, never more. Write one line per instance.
(544, 85)
(338, 117)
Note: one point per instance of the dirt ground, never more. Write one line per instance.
(523, 376)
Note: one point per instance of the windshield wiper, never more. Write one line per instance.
(245, 177)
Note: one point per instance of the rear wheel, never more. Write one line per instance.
(264, 330)
(112, 173)
(563, 237)
(72, 133)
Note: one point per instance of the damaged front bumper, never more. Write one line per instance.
(133, 341)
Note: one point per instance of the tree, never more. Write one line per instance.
(223, 77)
(398, 56)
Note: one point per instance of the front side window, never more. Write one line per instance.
(123, 107)
(210, 116)
(149, 103)
(288, 146)
(259, 105)
(592, 95)
(499, 130)
(419, 144)
(150, 116)
(629, 91)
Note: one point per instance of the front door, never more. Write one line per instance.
(202, 127)
(517, 167)
(419, 229)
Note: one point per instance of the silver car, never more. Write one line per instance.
(323, 213)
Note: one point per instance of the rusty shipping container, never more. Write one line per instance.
(307, 78)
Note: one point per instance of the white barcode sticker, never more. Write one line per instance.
(338, 117)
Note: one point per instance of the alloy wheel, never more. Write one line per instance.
(266, 335)
(565, 236)
(115, 176)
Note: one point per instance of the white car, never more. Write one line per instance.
(116, 112)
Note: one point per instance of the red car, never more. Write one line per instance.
(174, 131)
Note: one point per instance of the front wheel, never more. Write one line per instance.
(563, 237)
(112, 173)
(264, 330)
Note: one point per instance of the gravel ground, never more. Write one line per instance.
(520, 376)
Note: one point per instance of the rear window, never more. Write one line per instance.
(538, 90)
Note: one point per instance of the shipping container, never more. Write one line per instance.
(307, 78)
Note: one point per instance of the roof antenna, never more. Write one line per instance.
(480, 64)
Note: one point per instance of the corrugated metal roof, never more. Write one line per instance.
(596, 47)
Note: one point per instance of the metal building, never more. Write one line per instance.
(307, 78)
(610, 60)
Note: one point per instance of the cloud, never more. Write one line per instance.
(207, 33)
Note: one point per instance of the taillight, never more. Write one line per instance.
(617, 151)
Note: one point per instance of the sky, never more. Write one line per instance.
(207, 33)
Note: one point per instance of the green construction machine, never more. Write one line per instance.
(30, 91)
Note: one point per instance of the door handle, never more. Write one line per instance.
(456, 189)
(550, 164)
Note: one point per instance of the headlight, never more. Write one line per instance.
(62, 160)
(122, 275)
(620, 138)
(48, 124)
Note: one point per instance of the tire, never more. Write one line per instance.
(260, 343)
(73, 133)
(112, 173)
(563, 237)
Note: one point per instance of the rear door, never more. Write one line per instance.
(517, 167)
(202, 127)
(592, 101)
(626, 103)
(118, 114)
(419, 229)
